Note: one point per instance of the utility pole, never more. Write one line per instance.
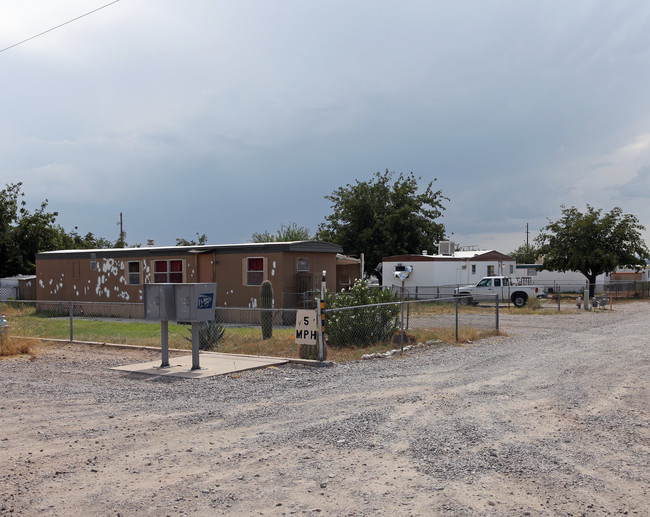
(527, 232)
(120, 241)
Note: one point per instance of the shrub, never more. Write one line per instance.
(363, 326)
(210, 334)
(10, 346)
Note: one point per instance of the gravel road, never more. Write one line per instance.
(550, 419)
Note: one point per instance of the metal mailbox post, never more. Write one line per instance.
(185, 303)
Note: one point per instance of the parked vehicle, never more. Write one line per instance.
(489, 286)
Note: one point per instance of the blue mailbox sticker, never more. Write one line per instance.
(206, 301)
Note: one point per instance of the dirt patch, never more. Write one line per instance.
(551, 420)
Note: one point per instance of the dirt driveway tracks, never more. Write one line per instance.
(550, 419)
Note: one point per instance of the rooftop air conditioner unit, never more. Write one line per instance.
(446, 248)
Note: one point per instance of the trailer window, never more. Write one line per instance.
(168, 271)
(134, 273)
(254, 271)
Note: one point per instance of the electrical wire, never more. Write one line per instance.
(59, 26)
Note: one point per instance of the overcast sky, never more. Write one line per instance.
(229, 118)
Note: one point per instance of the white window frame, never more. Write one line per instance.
(245, 271)
(157, 274)
(130, 275)
(302, 261)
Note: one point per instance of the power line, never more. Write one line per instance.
(59, 26)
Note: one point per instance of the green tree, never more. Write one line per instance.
(384, 216)
(73, 240)
(290, 233)
(592, 243)
(23, 234)
(525, 254)
(201, 239)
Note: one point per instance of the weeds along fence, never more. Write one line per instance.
(350, 332)
(379, 327)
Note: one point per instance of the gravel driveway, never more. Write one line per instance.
(550, 419)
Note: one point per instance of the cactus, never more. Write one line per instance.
(266, 302)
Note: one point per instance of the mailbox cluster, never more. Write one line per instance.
(186, 303)
(180, 302)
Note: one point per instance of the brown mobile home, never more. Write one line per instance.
(117, 275)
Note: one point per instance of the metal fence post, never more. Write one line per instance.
(321, 319)
(496, 303)
(195, 346)
(71, 320)
(457, 319)
(164, 343)
(401, 333)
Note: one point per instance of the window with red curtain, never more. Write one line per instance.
(255, 271)
(176, 271)
(168, 271)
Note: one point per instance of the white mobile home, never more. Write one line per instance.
(456, 268)
(574, 281)
(569, 281)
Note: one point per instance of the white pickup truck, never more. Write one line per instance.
(489, 286)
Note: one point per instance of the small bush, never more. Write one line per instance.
(363, 326)
(10, 345)
(210, 334)
(533, 304)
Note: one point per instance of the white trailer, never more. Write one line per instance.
(457, 268)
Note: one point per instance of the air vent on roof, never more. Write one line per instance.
(446, 248)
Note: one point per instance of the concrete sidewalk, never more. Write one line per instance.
(212, 363)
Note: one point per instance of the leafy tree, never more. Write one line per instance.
(9, 204)
(73, 240)
(384, 217)
(23, 234)
(291, 232)
(201, 239)
(525, 254)
(592, 243)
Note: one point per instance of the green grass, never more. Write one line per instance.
(27, 322)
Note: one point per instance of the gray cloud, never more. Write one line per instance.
(233, 118)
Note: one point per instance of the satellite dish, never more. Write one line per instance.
(402, 272)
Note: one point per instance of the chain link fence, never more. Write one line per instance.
(558, 295)
(370, 330)
(350, 333)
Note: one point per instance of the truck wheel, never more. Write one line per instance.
(519, 299)
(465, 300)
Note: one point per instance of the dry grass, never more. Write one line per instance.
(12, 346)
(448, 335)
(248, 341)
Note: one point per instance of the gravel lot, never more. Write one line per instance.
(551, 419)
